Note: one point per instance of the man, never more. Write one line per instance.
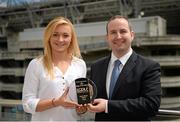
(136, 93)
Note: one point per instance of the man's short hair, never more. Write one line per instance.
(118, 17)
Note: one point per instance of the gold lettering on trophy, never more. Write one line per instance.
(82, 90)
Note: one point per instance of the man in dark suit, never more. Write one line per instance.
(136, 94)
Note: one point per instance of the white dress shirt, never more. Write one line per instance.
(38, 85)
(123, 60)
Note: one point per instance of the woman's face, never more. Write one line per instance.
(61, 38)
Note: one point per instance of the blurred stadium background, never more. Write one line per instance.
(156, 23)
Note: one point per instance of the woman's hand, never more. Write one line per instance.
(81, 109)
(63, 101)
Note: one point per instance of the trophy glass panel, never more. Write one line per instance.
(82, 90)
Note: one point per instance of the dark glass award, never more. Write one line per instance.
(85, 90)
(82, 90)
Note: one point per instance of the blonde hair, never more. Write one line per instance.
(73, 48)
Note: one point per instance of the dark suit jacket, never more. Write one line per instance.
(137, 92)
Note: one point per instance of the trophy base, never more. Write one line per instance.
(81, 110)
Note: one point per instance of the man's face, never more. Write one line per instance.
(119, 36)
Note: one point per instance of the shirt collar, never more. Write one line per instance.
(123, 59)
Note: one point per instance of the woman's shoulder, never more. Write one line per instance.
(79, 61)
(76, 59)
(36, 61)
(79, 66)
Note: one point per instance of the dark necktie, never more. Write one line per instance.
(114, 77)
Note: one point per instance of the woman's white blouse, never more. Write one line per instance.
(38, 85)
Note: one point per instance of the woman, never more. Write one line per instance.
(45, 92)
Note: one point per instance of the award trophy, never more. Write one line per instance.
(83, 91)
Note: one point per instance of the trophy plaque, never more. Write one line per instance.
(83, 91)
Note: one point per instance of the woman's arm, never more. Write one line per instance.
(61, 101)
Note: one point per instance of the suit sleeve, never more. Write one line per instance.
(148, 103)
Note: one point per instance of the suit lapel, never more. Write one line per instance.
(125, 71)
(104, 72)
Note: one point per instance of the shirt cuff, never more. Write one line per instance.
(30, 105)
(106, 109)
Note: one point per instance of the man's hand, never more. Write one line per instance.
(99, 105)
